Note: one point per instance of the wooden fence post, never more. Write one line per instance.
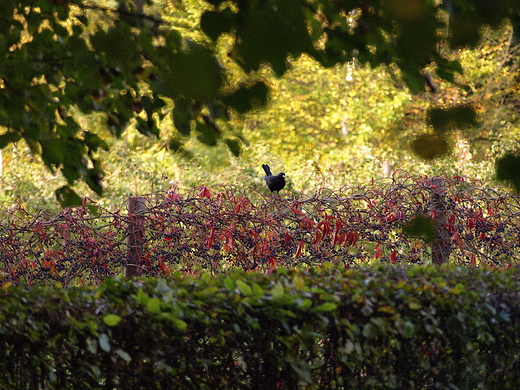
(441, 247)
(135, 239)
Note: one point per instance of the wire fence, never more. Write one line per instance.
(221, 228)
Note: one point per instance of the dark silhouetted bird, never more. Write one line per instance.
(275, 183)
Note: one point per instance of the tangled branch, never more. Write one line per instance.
(221, 228)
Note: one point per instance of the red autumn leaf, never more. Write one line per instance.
(351, 238)
(458, 239)
(204, 192)
(378, 253)
(229, 241)
(209, 242)
(272, 264)
(324, 226)
(299, 249)
(335, 235)
(173, 196)
(318, 237)
(393, 257)
(307, 223)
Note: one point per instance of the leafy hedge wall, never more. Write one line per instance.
(374, 328)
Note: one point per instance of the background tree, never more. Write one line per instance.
(132, 64)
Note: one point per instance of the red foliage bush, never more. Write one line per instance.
(221, 228)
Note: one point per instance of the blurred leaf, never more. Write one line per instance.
(234, 146)
(508, 169)
(104, 342)
(180, 324)
(147, 127)
(430, 146)
(446, 119)
(207, 134)
(278, 290)
(244, 287)
(194, 73)
(248, 97)
(407, 329)
(421, 227)
(123, 355)
(271, 34)
(112, 319)
(8, 138)
(217, 110)
(215, 23)
(52, 152)
(94, 142)
(154, 305)
(327, 306)
(92, 345)
(182, 116)
(67, 197)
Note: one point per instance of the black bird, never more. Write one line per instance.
(275, 183)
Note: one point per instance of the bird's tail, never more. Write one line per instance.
(267, 169)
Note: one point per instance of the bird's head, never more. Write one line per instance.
(281, 175)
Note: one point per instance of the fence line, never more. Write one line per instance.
(220, 228)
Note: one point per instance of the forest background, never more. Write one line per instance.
(324, 127)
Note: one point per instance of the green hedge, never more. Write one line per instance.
(374, 328)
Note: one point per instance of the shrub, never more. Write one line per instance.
(368, 328)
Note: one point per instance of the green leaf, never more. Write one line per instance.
(229, 283)
(182, 116)
(142, 297)
(278, 291)
(112, 319)
(299, 283)
(244, 287)
(327, 306)
(154, 305)
(52, 152)
(180, 324)
(67, 197)
(270, 35)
